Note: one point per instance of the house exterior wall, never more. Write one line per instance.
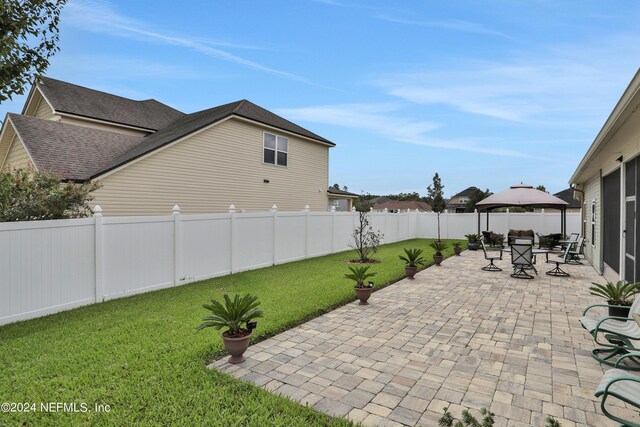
(220, 166)
(17, 158)
(593, 191)
(6, 138)
(44, 110)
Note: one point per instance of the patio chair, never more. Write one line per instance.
(498, 255)
(522, 259)
(622, 335)
(566, 256)
(623, 386)
(574, 257)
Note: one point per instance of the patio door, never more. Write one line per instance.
(610, 221)
(631, 230)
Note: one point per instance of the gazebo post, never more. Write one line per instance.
(478, 221)
(487, 220)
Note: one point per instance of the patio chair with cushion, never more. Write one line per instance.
(578, 249)
(491, 256)
(518, 234)
(621, 385)
(522, 259)
(621, 335)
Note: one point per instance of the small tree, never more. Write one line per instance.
(435, 197)
(28, 38)
(365, 239)
(27, 195)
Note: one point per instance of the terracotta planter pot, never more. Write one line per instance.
(457, 250)
(619, 311)
(438, 259)
(411, 271)
(236, 348)
(363, 294)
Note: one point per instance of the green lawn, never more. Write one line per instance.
(141, 356)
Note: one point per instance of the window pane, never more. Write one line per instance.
(283, 144)
(269, 141)
(282, 158)
(269, 156)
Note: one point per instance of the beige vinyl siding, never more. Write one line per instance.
(7, 135)
(17, 158)
(44, 110)
(78, 121)
(592, 191)
(218, 167)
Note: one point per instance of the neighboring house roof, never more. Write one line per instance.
(332, 191)
(76, 152)
(381, 199)
(567, 196)
(81, 101)
(403, 206)
(465, 193)
(84, 153)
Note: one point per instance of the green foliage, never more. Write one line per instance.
(359, 274)
(232, 315)
(552, 422)
(468, 420)
(413, 257)
(542, 188)
(140, 355)
(365, 240)
(476, 196)
(439, 246)
(473, 238)
(27, 195)
(28, 38)
(457, 244)
(619, 293)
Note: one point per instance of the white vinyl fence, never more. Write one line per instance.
(50, 266)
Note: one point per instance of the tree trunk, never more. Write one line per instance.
(438, 226)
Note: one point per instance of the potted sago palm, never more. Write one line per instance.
(413, 258)
(457, 248)
(359, 275)
(237, 315)
(438, 246)
(619, 296)
(473, 241)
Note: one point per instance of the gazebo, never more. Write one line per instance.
(524, 196)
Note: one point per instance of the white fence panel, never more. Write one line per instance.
(290, 236)
(45, 266)
(253, 241)
(391, 228)
(342, 231)
(461, 224)
(205, 246)
(138, 255)
(319, 234)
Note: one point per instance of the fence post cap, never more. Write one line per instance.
(307, 208)
(176, 209)
(333, 208)
(97, 210)
(232, 209)
(353, 208)
(274, 208)
(371, 209)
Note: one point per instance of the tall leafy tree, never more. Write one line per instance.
(28, 38)
(476, 196)
(542, 188)
(435, 197)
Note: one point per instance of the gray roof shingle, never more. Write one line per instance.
(76, 152)
(81, 101)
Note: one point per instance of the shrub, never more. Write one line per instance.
(29, 195)
(232, 315)
(619, 293)
(365, 239)
(359, 275)
(413, 257)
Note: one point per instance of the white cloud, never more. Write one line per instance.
(99, 16)
(382, 119)
(449, 24)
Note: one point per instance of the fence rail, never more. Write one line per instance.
(51, 266)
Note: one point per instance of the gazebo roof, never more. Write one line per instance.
(521, 195)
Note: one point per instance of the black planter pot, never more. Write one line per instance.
(617, 311)
(473, 246)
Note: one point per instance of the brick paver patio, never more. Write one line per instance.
(454, 335)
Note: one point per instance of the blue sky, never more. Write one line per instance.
(486, 93)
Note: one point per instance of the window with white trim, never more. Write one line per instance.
(593, 223)
(276, 149)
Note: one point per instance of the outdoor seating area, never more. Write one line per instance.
(452, 336)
